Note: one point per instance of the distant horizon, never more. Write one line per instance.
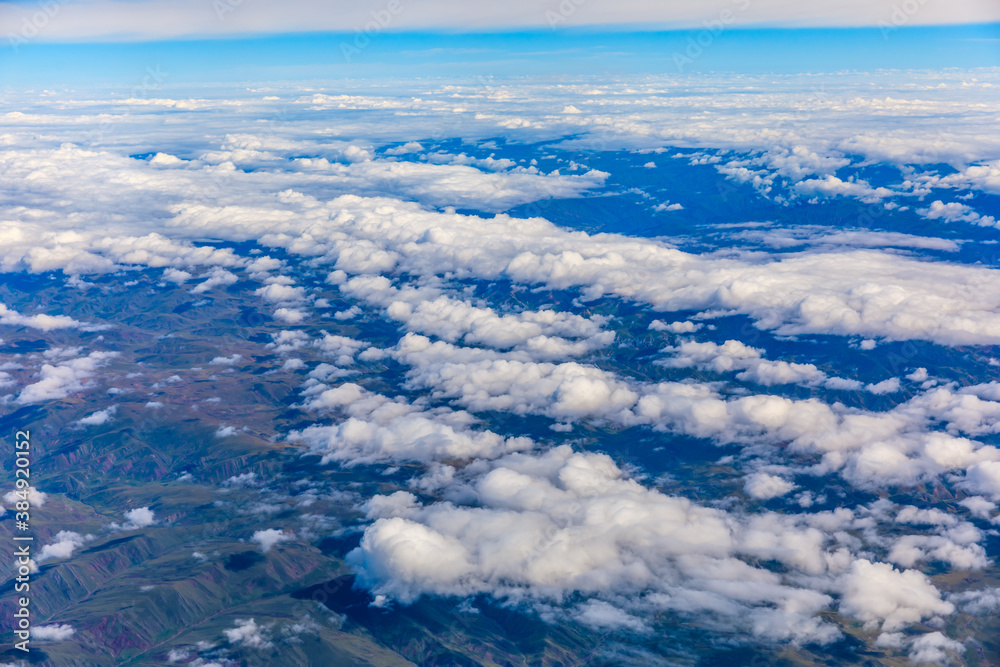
(571, 51)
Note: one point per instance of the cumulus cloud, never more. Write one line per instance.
(935, 648)
(984, 477)
(831, 186)
(379, 429)
(217, 277)
(550, 525)
(176, 275)
(226, 361)
(734, 355)
(340, 348)
(676, 327)
(68, 377)
(66, 542)
(882, 596)
(505, 515)
(889, 386)
(34, 497)
(99, 417)
(809, 294)
(544, 334)
(140, 517)
(248, 633)
(57, 632)
(955, 212)
(270, 537)
(763, 486)
(40, 321)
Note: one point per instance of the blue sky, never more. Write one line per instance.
(534, 52)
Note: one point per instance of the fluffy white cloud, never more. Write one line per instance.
(543, 334)
(676, 327)
(855, 292)
(40, 321)
(882, 596)
(34, 497)
(248, 633)
(378, 429)
(831, 186)
(57, 632)
(510, 518)
(764, 486)
(66, 543)
(140, 517)
(888, 386)
(549, 525)
(269, 537)
(61, 380)
(984, 478)
(734, 355)
(226, 361)
(485, 380)
(99, 417)
(935, 648)
(956, 212)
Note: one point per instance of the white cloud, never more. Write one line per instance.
(935, 648)
(243, 479)
(408, 147)
(763, 486)
(340, 348)
(277, 293)
(831, 186)
(269, 537)
(34, 497)
(378, 429)
(40, 321)
(979, 507)
(140, 517)
(882, 596)
(57, 632)
(983, 601)
(66, 543)
(226, 361)
(543, 334)
(956, 212)
(99, 417)
(64, 379)
(248, 633)
(734, 355)
(560, 522)
(676, 327)
(889, 386)
(508, 517)
(217, 277)
(176, 275)
(984, 478)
